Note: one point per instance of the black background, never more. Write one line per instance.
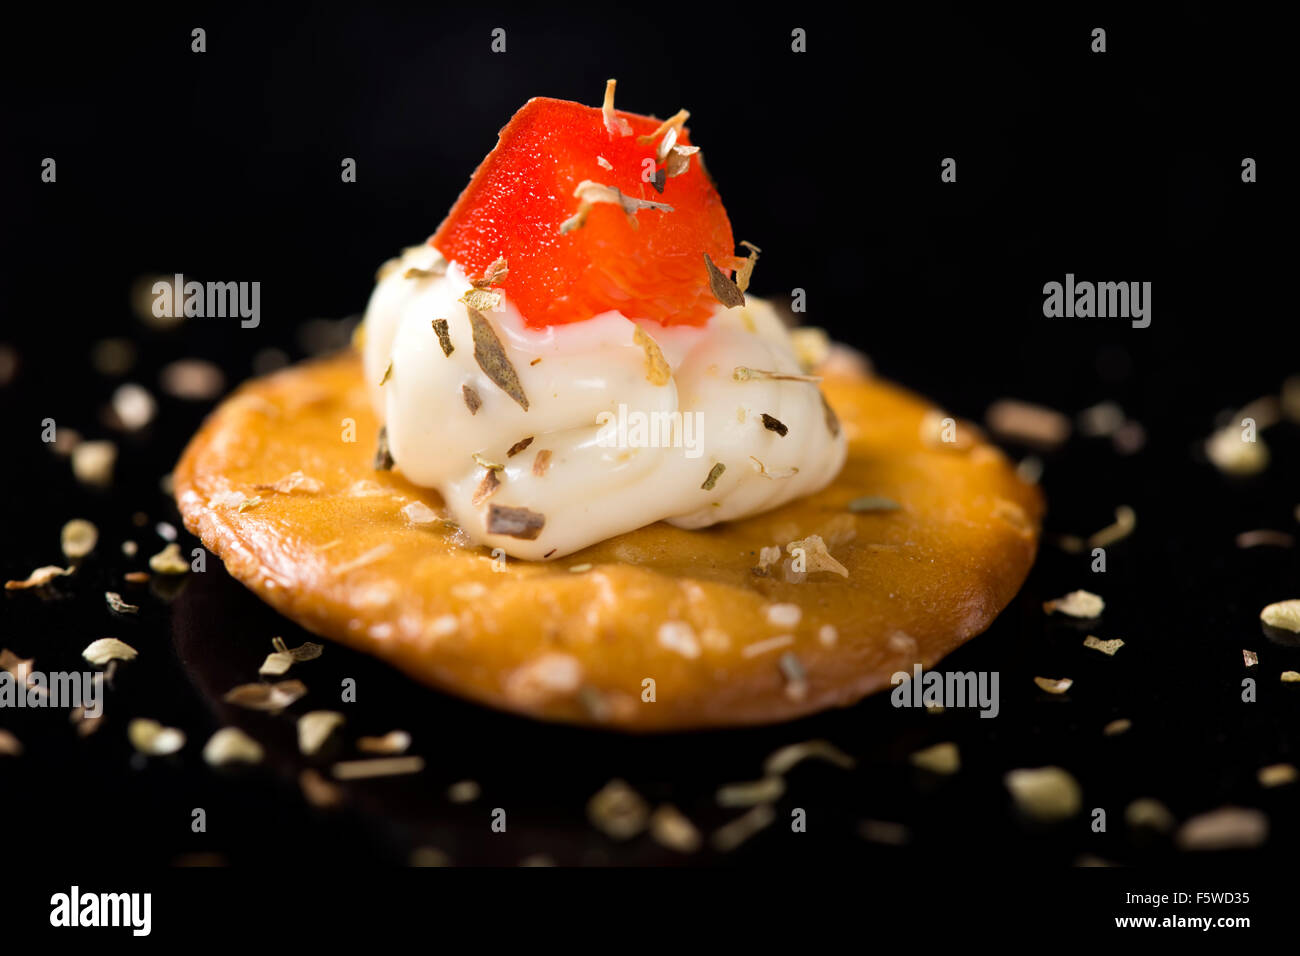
(1119, 166)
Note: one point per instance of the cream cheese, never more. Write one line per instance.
(611, 450)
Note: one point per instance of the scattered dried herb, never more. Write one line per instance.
(379, 767)
(816, 556)
(1047, 794)
(109, 649)
(671, 829)
(752, 792)
(542, 462)
(38, 578)
(117, 604)
(443, 330)
(491, 358)
(393, 742)
(746, 271)
(268, 697)
(231, 745)
(315, 727)
(944, 758)
(742, 374)
(1228, 828)
(519, 446)
(483, 300)
(486, 488)
(294, 482)
(660, 177)
(515, 522)
(615, 125)
(318, 791)
(782, 761)
(10, 746)
(714, 474)
(388, 373)
(590, 193)
(679, 160)
(153, 739)
(724, 290)
(78, 538)
(492, 275)
(1054, 685)
(672, 124)
(437, 268)
(775, 425)
(796, 678)
(873, 503)
(832, 420)
(1027, 423)
(1106, 647)
(1283, 614)
(618, 811)
(657, 369)
(1082, 604)
(169, 561)
(762, 470)
(731, 835)
(283, 657)
(93, 461)
(472, 400)
(1276, 775)
(383, 457)
(1265, 537)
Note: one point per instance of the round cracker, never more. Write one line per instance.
(667, 629)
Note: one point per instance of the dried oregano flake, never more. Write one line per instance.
(491, 358)
(657, 369)
(746, 271)
(742, 373)
(169, 561)
(268, 697)
(383, 457)
(515, 522)
(492, 275)
(231, 745)
(108, 649)
(443, 330)
(78, 538)
(1083, 604)
(615, 125)
(472, 400)
(519, 446)
(437, 268)
(117, 604)
(714, 474)
(590, 193)
(873, 503)
(775, 425)
(38, 578)
(724, 290)
(486, 488)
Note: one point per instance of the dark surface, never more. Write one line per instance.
(1124, 167)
